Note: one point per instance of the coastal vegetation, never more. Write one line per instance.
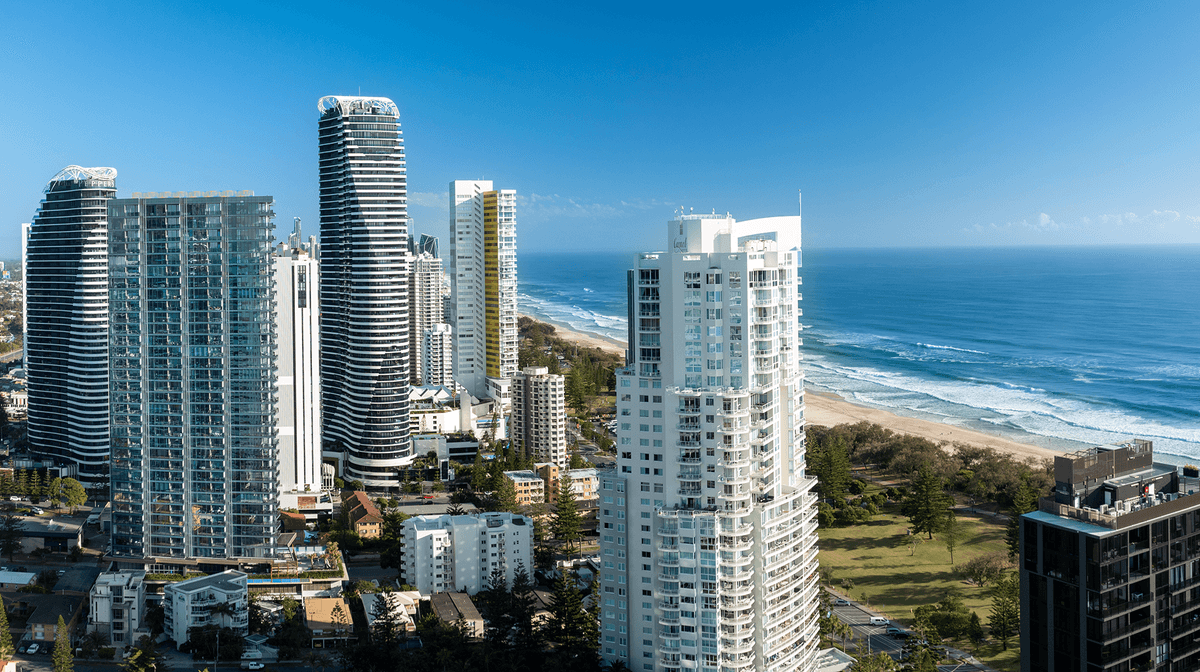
(921, 532)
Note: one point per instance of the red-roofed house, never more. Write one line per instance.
(363, 515)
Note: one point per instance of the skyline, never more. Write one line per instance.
(958, 126)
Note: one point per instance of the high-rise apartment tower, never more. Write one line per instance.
(539, 415)
(192, 345)
(66, 321)
(298, 329)
(364, 288)
(483, 282)
(1109, 565)
(425, 307)
(709, 547)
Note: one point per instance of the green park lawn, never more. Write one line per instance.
(892, 577)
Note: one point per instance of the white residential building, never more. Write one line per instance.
(298, 329)
(585, 483)
(539, 414)
(459, 553)
(364, 288)
(708, 523)
(437, 356)
(115, 602)
(483, 287)
(195, 602)
(425, 310)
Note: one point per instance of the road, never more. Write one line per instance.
(871, 638)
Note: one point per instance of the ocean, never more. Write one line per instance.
(1061, 347)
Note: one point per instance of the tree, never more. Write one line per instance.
(341, 623)
(577, 461)
(975, 629)
(832, 467)
(12, 531)
(154, 617)
(387, 628)
(927, 505)
(952, 534)
(880, 662)
(145, 658)
(456, 510)
(982, 570)
(1024, 501)
(505, 496)
(567, 524)
(6, 644)
(570, 626)
(73, 493)
(1005, 618)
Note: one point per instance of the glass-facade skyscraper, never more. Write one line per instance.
(193, 376)
(66, 343)
(364, 288)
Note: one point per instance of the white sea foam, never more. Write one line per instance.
(949, 347)
(1028, 409)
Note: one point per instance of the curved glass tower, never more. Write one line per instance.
(364, 287)
(67, 325)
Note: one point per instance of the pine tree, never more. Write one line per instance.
(570, 625)
(23, 482)
(54, 492)
(506, 495)
(832, 467)
(927, 505)
(952, 534)
(527, 638)
(6, 643)
(1005, 618)
(11, 532)
(63, 659)
(1024, 501)
(567, 524)
(975, 629)
(35, 485)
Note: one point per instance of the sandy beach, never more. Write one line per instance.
(581, 339)
(822, 408)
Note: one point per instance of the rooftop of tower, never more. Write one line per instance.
(91, 177)
(348, 104)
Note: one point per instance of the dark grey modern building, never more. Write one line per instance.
(1110, 566)
(195, 473)
(364, 289)
(66, 342)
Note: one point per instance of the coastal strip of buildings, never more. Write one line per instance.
(220, 382)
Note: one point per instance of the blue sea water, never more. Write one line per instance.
(1055, 346)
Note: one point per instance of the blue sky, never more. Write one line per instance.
(928, 124)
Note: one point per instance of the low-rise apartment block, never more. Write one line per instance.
(459, 553)
(116, 601)
(197, 602)
(530, 487)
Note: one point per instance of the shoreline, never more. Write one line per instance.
(582, 339)
(829, 409)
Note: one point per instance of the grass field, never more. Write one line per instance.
(890, 576)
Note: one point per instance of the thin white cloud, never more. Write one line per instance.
(428, 199)
(1045, 224)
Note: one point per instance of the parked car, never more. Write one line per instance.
(14, 498)
(33, 648)
(37, 511)
(841, 603)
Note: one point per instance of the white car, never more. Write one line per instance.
(37, 511)
(33, 648)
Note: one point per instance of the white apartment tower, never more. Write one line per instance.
(364, 288)
(483, 287)
(426, 308)
(708, 523)
(437, 356)
(539, 414)
(298, 414)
